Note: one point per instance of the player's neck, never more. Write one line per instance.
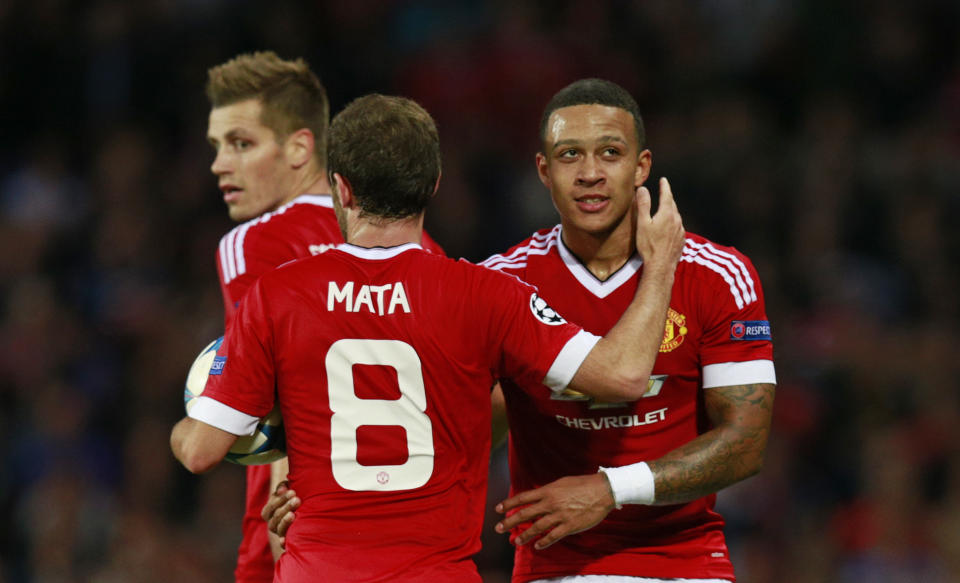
(602, 253)
(312, 182)
(309, 183)
(384, 233)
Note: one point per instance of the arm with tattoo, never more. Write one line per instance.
(730, 452)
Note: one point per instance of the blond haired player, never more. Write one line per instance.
(268, 126)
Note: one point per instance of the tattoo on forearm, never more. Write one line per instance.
(731, 451)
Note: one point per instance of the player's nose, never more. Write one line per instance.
(220, 164)
(589, 171)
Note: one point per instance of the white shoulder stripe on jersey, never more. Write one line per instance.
(540, 244)
(736, 267)
(729, 374)
(231, 251)
(222, 252)
(728, 266)
(225, 417)
(232, 257)
(227, 256)
(734, 289)
(239, 256)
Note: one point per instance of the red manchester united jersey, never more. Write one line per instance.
(305, 226)
(382, 361)
(716, 334)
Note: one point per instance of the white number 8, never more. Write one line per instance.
(350, 412)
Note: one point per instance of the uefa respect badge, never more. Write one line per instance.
(750, 330)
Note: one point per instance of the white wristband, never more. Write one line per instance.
(631, 484)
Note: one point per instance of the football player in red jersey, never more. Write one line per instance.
(702, 425)
(383, 357)
(268, 125)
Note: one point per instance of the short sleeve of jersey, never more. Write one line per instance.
(538, 345)
(735, 324)
(246, 379)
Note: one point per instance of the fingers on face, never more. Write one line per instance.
(643, 202)
(666, 193)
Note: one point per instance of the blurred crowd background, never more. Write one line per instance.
(821, 138)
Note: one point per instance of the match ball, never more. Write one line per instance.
(263, 447)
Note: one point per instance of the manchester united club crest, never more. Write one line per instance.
(674, 330)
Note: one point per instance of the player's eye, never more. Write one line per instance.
(568, 153)
(611, 151)
(242, 144)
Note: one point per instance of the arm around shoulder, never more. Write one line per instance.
(618, 368)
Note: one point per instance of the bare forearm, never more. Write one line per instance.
(639, 332)
(178, 440)
(619, 366)
(723, 456)
(198, 446)
(704, 466)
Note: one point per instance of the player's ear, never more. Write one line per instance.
(542, 168)
(299, 147)
(342, 190)
(644, 163)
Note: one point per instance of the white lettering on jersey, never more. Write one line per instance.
(336, 295)
(363, 299)
(613, 422)
(399, 298)
(368, 296)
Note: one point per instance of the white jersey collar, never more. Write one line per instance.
(317, 199)
(376, 252)
(601, 289)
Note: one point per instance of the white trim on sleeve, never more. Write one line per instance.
(727, 374)
(223, 417)
(569, 359)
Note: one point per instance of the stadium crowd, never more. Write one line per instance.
(820, 138)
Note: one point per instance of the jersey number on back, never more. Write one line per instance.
(350, 412)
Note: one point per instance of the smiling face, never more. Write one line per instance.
(592, 165)
(251, 165)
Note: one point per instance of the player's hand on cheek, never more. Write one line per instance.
(660, 238)
(279, 510)
(564, 507)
